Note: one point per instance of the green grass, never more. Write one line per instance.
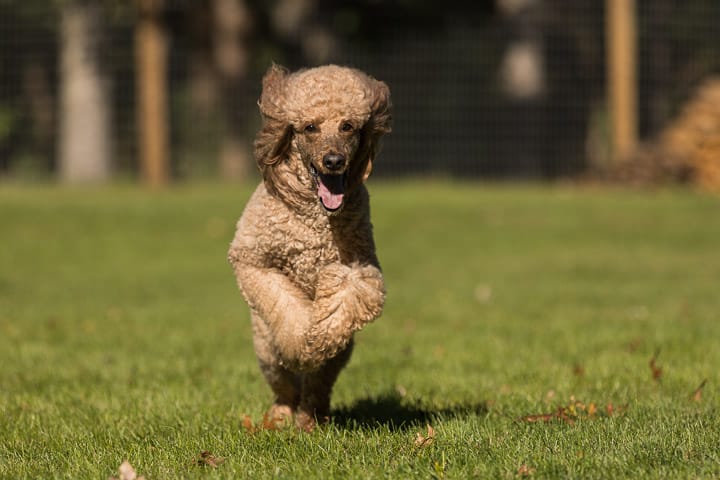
(123, 336)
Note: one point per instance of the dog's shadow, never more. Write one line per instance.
(391, 411)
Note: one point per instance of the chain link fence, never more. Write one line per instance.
(486, 89)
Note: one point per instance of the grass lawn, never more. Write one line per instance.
(541, 332)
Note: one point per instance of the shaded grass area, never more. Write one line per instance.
(123, 336)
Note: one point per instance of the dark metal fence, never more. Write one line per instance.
(494, 89)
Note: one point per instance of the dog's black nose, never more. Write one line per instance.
(334, 161)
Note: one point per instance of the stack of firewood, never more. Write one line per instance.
(694, 137)
(686, 151)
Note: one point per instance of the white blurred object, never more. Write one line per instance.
(522, 70)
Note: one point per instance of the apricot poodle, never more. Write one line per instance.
(304, 254)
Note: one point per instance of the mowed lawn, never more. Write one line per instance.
(529, 332)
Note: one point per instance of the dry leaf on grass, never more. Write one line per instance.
(208, 459)
(273, 423)
(549, 396)
(268, 422)
(575, 410)
(525, 471)
(655, 368)
(697, 394)
(248, 425)
(559, 414)
(424, 441)
(634, 344)
(127, 472)
(611, 410)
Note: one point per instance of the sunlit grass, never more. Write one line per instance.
(123, 336)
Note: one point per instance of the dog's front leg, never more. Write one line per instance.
(285, 309)
(346, 299)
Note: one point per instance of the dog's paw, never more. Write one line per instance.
(278, 416)
(331, 278)
(346, 299)
(307, 421)
(354, 295)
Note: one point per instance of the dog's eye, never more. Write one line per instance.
(347, 127)
(310, 128)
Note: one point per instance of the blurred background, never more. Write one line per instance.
(165, 90)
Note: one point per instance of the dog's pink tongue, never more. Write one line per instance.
(332, 201)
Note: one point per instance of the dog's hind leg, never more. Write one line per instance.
(316, 388)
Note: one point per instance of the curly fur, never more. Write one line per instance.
(304, 254)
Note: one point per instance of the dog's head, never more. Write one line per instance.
(327, 122)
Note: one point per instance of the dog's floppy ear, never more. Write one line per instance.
(273, 140)
(379, 123)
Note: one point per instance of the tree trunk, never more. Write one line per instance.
(85, 136)
(151, 69)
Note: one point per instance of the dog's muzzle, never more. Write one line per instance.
(330, 186)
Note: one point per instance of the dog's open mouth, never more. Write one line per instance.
(330, 189)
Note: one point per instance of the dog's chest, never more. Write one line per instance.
(302, 248)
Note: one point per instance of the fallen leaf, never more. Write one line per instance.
(563, 413)
(634, 344)
(273, 423)
(525, 471)
(540, 417)
(656, 369)
(268, 422)
(247, 424)
(549, 396)
(559, 414)
(697, 395)
(424, 441)
(574, 410)
(611, 410)
(208, 459)
(127, 472)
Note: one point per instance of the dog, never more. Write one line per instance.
(303, 252)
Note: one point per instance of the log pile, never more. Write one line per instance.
(687, 150)
(694, 137)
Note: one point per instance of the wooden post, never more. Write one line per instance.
(152, 106)
(621, 76)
